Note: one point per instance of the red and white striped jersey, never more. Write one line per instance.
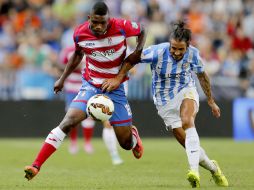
(104, 54)
(74, 80)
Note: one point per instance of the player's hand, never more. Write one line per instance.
(58, 86)
(110, 84)
(215, 109)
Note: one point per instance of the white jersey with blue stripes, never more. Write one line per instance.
(169, 76)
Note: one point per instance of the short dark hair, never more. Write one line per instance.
(100, 8)
(180, 32)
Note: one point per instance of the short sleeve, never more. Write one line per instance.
(197, 64)
(147, 56)
(130, 28)
(76, 39)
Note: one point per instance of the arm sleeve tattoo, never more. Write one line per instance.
(206, 86)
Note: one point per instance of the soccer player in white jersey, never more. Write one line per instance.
(176, 97)
(103, 40)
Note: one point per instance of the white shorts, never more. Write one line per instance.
(170, 113)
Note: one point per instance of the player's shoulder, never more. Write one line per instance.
(164, 45)
(193, 50)
(121, 22)
(118, 21)
(160, 46)
(82, 28)
(193, 54)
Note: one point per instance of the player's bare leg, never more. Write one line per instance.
(188, 112)
(54, 140)
(109, 138)
(128, 138)
(204, 160)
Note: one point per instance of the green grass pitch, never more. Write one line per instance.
(163, 166)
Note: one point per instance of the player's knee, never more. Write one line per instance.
(68, 123)
(187, 122)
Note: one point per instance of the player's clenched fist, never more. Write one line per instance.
(58, 86)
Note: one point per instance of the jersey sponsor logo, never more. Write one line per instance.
(105, 42)
(89, 44)
(106, 53)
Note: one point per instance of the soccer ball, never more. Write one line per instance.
(100, 107)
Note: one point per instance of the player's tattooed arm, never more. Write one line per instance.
(206, 86)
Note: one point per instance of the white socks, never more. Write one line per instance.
(195, 153)
(205, 162)
(110, 141)
(55, 137)
(192, 147)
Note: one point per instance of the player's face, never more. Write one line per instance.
(177, 49)
(98, 24)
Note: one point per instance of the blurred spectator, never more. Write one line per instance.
(240, 41)
(64, 11)
(51, 30)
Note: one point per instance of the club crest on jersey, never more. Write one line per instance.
(110, 41)
(134, 25)
(186, 65)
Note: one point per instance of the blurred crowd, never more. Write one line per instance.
(34, 32)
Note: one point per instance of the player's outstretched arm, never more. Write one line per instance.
(135, 56)
(129, 62)
(73, 62)
(206, 86)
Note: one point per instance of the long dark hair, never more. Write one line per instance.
(180, 32)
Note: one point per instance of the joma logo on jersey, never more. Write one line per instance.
(89, 44)
(109, 52)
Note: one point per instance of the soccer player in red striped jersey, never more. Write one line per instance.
(103, 40)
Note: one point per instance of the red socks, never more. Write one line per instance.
(87, 133)
(45, 152)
